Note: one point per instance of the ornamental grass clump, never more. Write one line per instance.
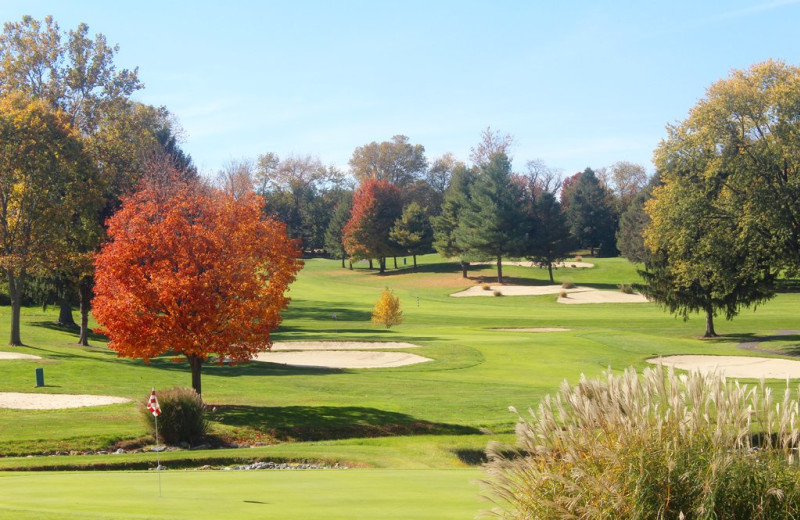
(657, 445)
(183, 416)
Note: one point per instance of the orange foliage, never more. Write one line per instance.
(191, 270)
(387, 309)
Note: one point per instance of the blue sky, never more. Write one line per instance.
(577, 83)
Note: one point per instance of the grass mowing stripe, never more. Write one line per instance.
(195, 495)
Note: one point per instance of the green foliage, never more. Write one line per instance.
(701, 258)
(334, 235)
(632, 223)
(397, 161)
(456, 197)
(183, 415)
(590, 214)
(550, 240)
(413, 231)
(492, 222)
(652, 446)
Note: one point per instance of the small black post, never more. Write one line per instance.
(39, 377)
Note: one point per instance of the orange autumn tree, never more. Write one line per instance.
(190, 270)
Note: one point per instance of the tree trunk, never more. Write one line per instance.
(343, 266)
(395, 262)
(499, 269)
(370, 263)
(464, 267)
(415, 261)
(550, 270)
(85, 291)
(382, 264)
(196, 363)
(351, 264)
(65, 318)
(15, 295)
(591, 250)
(710, 332)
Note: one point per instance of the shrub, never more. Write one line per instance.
(182, 416)
(497, 293)
(626, 288)
(579, 258)
(567, 284)
(486, 286)
(387, 309)
(655, 446)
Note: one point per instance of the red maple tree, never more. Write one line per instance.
(376, 207)
(191, 270)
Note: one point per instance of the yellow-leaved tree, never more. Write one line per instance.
(387, 309)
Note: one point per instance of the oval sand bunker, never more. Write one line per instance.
(735, 366)
(15, 355)
(20, 401)
(342, 359)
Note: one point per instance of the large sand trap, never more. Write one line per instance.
(588, 295)
(735, 366)
(342, 359)
(20, 401)
(576, 294)
(15, 355)
(338, 345)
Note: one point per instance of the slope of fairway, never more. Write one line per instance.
(214, 495)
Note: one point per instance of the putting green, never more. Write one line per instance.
(280, 494)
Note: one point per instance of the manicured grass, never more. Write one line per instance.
(420, 417)
(199, 495)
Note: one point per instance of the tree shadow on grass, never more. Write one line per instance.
(253, 368)
(317, 310)
(50, 325)
(316, 423)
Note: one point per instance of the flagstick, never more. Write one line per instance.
(158, 458)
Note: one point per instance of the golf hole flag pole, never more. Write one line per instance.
(153, 408)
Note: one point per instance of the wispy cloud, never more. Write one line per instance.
(759, 8)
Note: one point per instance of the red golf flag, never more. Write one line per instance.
(152, 404)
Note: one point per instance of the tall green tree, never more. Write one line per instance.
(455, 199)
(76, 74)
(412, 231)
(632, 223)
(590, 214)
(46, 178)
(334, 235)
(549, 240)
(701, 259)
(750, 121)
(492, 221)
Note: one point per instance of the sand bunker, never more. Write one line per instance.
(342, 359)
(533, 329)
(528, 263)
(587, 295)
(20, 401)
(15, 355)
(735, 366)
(575, 295)
(338, 345)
